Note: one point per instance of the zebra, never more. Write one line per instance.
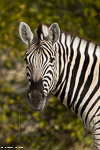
(67, 66)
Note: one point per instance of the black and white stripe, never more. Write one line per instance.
(78, 85)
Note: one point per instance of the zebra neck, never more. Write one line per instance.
(62, 48)
(75, 69)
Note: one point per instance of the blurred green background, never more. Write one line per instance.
(56, 127)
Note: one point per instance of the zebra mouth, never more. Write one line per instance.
(36, 109)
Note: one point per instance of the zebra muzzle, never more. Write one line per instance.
(36, 99)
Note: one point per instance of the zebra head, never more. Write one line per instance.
(40, 59)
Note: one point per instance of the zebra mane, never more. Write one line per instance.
(42, 32)
(80, 37)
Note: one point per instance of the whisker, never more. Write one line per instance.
(51, 105)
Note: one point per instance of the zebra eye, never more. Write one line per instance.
(25, 58)
(52, 59)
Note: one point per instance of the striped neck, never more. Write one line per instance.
(62, 48)
(73, 54)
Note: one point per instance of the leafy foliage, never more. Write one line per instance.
(56, 128)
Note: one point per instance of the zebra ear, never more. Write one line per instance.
(54, 32)
(25, 33)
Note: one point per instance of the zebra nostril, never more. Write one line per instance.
(43, 95)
